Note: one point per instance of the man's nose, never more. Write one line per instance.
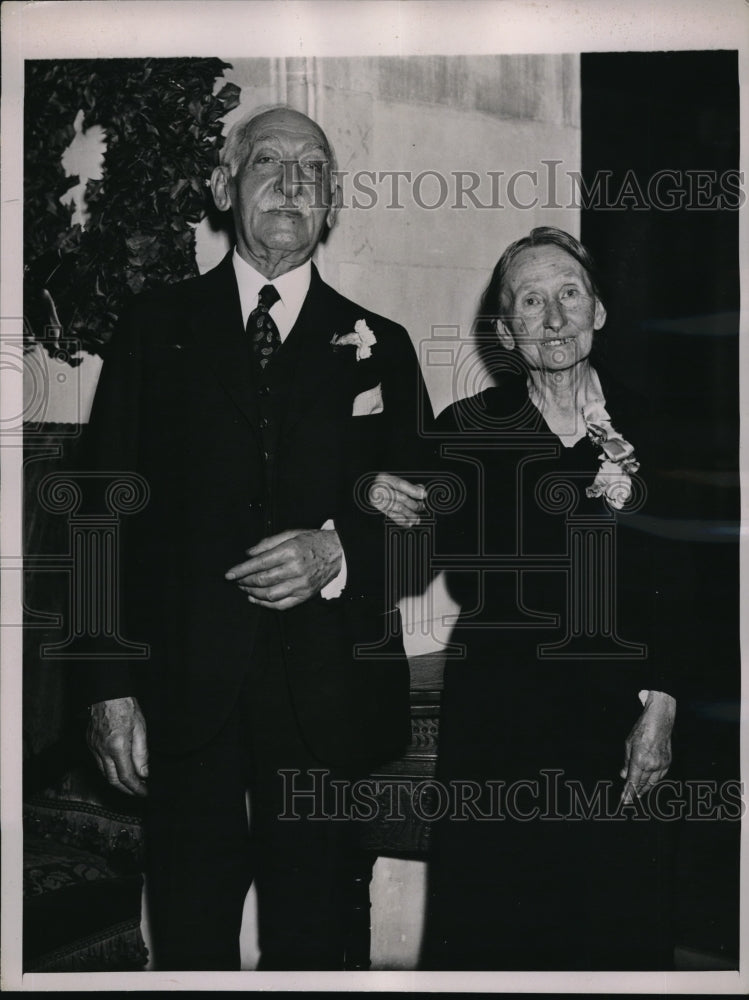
(553, 316)
(291, 179)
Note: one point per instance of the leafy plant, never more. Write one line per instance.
(163, 131)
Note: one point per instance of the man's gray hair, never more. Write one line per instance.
(237, 143)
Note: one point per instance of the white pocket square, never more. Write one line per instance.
(368, 402)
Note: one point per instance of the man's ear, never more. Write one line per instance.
(599, 317)
(506, 338)
(220, 188)
(336, 203)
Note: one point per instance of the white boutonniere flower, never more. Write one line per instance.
(362, 338)
(618, 463)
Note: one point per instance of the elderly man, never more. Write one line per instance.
(252, 400)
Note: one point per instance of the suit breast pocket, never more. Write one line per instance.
(368, 403)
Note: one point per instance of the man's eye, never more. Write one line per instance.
(570, 293)
(530, 301)
(265, 158)
(313, 166)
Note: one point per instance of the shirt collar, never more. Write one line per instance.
(292, 287)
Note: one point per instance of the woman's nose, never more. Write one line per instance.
(553, 317)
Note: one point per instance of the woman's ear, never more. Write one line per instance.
(220, 188)
(506, 338)
(599, 317)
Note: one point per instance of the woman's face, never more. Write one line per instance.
(553, 312)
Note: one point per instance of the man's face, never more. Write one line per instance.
(280, 196)
(553, 311)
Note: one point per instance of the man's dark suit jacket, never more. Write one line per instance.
(181, 403)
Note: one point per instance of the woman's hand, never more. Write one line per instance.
(648, 746)
(400, 501)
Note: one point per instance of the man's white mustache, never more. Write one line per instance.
(296, 203)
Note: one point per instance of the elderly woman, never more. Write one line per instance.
(558, 704)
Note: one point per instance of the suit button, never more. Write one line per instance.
(267, 456)
(264, 390)
(264, 422)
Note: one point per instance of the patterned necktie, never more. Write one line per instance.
(260, 326)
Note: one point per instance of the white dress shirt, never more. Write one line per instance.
(292, 288)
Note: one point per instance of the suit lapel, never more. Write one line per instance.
(308, 351)
(219, 314)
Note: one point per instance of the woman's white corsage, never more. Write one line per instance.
(362, 338)
(617, 458)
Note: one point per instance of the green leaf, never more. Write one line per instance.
(162, 123)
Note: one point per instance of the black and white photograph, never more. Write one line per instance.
(371, 535)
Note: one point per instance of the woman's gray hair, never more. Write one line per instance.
(493, 302)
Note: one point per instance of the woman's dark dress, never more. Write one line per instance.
(550, 892)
